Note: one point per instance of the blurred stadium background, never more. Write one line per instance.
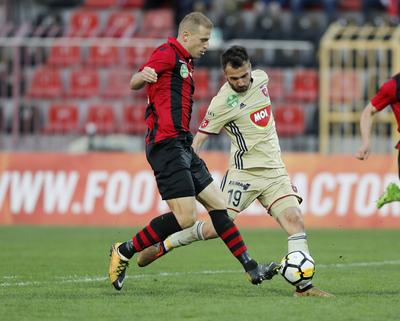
(67, 64)
(72, 142)
(64, 73)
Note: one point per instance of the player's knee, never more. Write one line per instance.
(292, 220)
(212, 198)
(184, 210)
(295, 216)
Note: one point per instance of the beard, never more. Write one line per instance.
(241, 89)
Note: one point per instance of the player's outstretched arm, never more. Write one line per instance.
(365, 127)
(141, 78)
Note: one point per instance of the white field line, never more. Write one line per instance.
(83, 279)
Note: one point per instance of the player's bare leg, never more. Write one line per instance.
(200, 231)
(291, 220)
(207, 230)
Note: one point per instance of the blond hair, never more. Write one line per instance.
(193, 21)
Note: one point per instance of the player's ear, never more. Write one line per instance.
(185, 35)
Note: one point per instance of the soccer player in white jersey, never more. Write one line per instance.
(256, 171)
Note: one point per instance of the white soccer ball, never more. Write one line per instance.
(297, 268)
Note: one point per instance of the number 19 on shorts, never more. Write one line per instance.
(234, 197)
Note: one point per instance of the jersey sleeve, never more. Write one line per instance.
(217, 116)
(385, 96)
(161, 59)
(265, 76)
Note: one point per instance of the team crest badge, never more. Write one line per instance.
(232, 101)
(184, 71)
(204, 123)
(264, 90)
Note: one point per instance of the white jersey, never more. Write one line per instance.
(248, 120)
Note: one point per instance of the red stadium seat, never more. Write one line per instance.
(289, 120)
(305, 86)
(158, 23)
(117, 85)
(62, 118)
(46, 83)
(350, 5)
(120, 24)
(137, 56)
(84, 24)
(61, 55)
(103, 55)
(201, 82)
(133, 118)
(103, 117)
(101, 3)
(133, 3)
(345, 86)
(84, 83)
(276, 88)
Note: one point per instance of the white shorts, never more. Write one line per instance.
(268, 186)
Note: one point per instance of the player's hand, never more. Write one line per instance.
(363, 152)
(149, 75)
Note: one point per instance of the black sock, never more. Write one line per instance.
(156, 231)
(231, 236)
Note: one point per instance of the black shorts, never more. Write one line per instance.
(178, 170)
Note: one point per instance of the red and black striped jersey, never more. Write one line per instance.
(169, 99)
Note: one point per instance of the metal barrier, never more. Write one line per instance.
(354, 62)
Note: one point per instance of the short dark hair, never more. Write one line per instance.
(236, 56)
(194, 20)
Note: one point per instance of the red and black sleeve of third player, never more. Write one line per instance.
(397, 79)
(385, 96)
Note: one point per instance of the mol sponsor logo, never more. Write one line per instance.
(261, 117)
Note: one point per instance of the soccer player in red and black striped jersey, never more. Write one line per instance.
(182, 177)
(387, 95)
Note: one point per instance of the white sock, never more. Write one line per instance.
(298, 242)
(184, 237)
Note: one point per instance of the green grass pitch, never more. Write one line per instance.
(59, 273)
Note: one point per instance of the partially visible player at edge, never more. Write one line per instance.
(256, 171)
(182, 177)
(388, 94)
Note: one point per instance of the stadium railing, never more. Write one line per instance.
(354, 62)
(53, 88)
